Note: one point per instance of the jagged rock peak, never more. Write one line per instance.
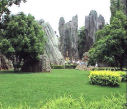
(93, 12)
(92, 24)
(101, 22)
(51, 46)
(61, 21)
(69, 37)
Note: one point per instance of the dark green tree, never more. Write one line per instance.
(4, 11)
(112, 47)
(22, 40)
(81, 41)
(5, 4)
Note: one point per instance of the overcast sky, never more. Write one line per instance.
(52, 10)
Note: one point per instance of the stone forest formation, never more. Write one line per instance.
(59, 48)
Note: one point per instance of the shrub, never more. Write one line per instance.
(67, 66)
(70, 66)
(57, 66)
(123, 75)
(105, 78)
(108, 68)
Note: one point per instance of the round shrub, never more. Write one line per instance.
(105, 78)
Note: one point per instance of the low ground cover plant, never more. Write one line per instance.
(67, 102)
(105, 78)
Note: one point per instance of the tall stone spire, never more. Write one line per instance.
(69, 38)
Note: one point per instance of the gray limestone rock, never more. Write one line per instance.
(92, 24)
(51, 47)
(5, 64)
(43, 65)
(69, 38)
(101, 22)
(52, 54)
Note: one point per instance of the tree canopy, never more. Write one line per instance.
(112, 47)
(5, 4)
(81, 41)
(22, 40)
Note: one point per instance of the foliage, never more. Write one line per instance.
(66, 66)
(105, 78)
(57, 66)
(22, 40)
(81, 103)
(108, 68)
(62, 103)
(5, 4)
(103, 32)
(67, 102)
(111, 48)
(116, 5)
(70, 66)
(123, 75)
(81, 41)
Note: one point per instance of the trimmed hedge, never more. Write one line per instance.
(57, 67)
(67, 66)
(105, 78)
(108, 68)
(123, 75)
(70, 66)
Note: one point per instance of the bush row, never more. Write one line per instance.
(123, 75)
(66, 102)
(108, 68)
(105, 78)
(68, 66)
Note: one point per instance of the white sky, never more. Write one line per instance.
(52, 10)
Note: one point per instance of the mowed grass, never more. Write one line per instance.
(36, 88)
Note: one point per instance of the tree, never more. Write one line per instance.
(5, 4)
(103, 32)
(112, 47)
(81, 41)
(4, 11)
(22, 40)
(117, 5)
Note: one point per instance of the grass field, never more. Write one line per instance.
(33, 88)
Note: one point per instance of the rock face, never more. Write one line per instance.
(43, 65)
(69, 38)
(92, 24)
(5, 64)
(52, 54)
(51, 48)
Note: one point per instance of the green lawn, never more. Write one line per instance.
(33, 88)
